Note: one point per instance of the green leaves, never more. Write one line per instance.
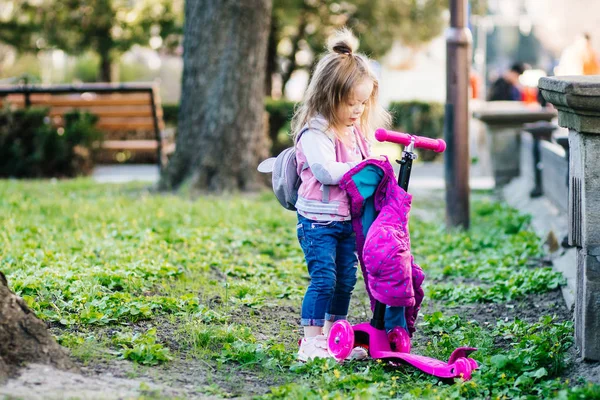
(124, 274)
(498, 260)
(502, 288)
(543, 344)
(499, 361)
(142, 348)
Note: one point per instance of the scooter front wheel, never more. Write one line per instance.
(341, 340)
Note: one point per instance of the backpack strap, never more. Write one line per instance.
(296, 140)
(325, 197)
(360, 142)
(305, 166)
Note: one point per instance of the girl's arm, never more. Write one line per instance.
(319, 150)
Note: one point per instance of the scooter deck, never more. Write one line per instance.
(458, 365)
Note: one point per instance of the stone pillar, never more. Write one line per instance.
(503, 121)
(577, 99)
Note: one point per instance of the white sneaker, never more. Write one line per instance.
(313, 347)
(358, 353)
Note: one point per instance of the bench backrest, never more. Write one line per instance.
(127, 111)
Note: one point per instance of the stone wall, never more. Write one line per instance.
(577, 99)
(555, 169)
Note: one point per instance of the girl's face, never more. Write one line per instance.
(349, 111)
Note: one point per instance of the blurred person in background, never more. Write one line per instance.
(579, 58)
(591, 66)
(507, 87)
(474, 82)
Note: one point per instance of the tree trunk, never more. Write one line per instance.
(105, 68)
(271, 56)
(221, 136)
(295, 47)
(23, 337)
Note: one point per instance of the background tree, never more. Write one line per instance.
(221, 136)
(105, 27)
(305, 25)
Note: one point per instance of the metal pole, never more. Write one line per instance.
(456, 123)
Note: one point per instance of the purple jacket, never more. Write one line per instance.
(379, 210)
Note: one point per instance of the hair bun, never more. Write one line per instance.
(342, 48)
(342, 42)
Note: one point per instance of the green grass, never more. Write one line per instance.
(499, 257)
(81, 254)
(121, 273)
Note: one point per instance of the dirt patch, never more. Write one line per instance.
(186, 378)
(45, 382)
(197, 378)
(528, 309)
(580, 371)
(282, 322)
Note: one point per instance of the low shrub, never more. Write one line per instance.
(416, 117)
(280, 115)
(170, 114)
(419, 118)
(31, 147)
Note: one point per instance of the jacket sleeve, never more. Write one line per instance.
(412, 313)
(319, 150)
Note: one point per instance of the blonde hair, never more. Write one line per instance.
(333, 80)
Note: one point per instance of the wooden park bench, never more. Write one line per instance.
(124, 111)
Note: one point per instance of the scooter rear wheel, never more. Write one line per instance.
(399, 340)
(341, 340)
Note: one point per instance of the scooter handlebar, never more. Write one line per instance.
(437, 145)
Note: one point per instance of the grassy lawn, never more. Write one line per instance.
(205, 294)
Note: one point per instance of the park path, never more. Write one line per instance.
(428, 175)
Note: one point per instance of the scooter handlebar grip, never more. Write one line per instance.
(384, 135)
(437, 145)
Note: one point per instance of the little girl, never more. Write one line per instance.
(339, 107)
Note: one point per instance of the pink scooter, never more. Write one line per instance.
(395, 346)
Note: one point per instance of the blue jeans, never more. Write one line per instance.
(394, 316)
(330, 252)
